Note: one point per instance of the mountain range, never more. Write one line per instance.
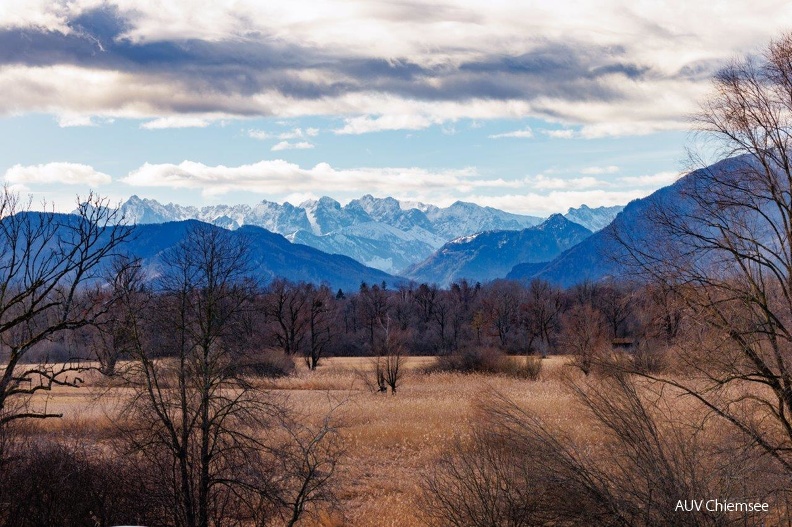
(602, 256)
(383, 233)
(492, 254)
(422, 239)
(271, 255)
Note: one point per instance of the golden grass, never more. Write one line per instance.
(389, 439)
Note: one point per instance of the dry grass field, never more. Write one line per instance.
(389, 439)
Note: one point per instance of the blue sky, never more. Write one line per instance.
(531, 107)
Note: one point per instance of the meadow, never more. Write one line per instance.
(389, 441)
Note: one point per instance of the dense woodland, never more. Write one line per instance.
(284, 322)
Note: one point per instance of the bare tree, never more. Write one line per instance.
(502, 302)
(192, 412)
(615, 305)
(725, 250)
(540, 312)
(425, 298)
(287, 306)
(196, 414)
(109, 336)
(321, 315)
(388, 366)
(373, 305)
(584, 335)
(49, 265)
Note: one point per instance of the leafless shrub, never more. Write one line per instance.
(488, 360)
(528, 367)
(271, 362)
(517, 470)
(44, 482)
(482, 483)
(649, 356)
(471, 360)
(302, 470)
(388, 366)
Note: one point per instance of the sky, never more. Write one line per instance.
(530, 107)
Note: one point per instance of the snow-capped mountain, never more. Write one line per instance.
(374, 244)
(326, 216)
(462, 218)
(490, 255)
(381, 232)
(283, 219)
(593, 219)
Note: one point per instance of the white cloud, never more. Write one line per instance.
(68, 121)
(261, 135)
(542, 182)
(644, 127)
(279, 177)
(176, 121)
(661, 179)
(610, 169)
(367, 124)
(66, 89)
(525, 133)
(295, 133)
(561, 134)
(285, 145)
(44, 14)
(543, 204)
(53, 173)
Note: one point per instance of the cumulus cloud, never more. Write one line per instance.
(275, 177)
(50, 173)
(380, 67)
(525, 133)
(286, 145)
